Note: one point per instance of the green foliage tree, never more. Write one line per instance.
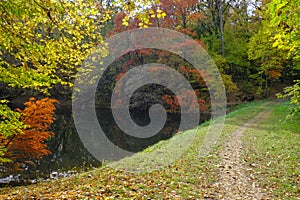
(10, 124)
(294, 93)
(276, 46)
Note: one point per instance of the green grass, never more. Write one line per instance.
(274, 151)
(188, 177)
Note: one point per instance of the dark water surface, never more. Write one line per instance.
(69, 155)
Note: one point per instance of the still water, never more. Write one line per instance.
(69, 155)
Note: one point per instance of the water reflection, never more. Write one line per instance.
(69, 155)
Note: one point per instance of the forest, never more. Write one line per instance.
(255, 45)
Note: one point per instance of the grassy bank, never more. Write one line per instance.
(273, 153)
(188, 177)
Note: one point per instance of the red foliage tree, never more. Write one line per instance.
(178, 16)
(173, 14)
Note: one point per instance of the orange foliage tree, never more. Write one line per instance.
(38, 116)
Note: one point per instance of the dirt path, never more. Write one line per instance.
(234, 182)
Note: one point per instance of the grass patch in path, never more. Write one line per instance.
(189, 177)
(274, 153)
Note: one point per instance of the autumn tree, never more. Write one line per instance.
(37, 116)
(170, 14)
(276, 45)
(42, 43)
(183, 16)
